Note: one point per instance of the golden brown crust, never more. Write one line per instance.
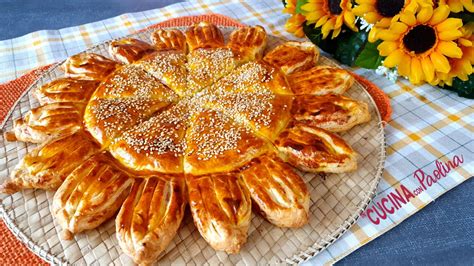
(315, 150)
(66, 90)
(331, 112)
(91, 194)
(221, 210)
(156, 145)
(204, 35)
(280, 194)
(106, 119)
(248, 43)
(169, 67)
(169, 39)
(46, 166)
(215, 143)
(293, 56)
(89, 66)
(133, 81)
(321, 80)
(129, 50)
(151, 216)
(48, 122)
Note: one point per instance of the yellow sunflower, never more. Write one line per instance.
(460, 67)
(330, 15)
(456, 5)
(380, 13)
(294, 24)
(420, 43)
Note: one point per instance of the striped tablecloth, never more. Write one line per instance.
(430, 144)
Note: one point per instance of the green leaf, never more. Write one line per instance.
(369, 57)
(314, 35)
(349, 46)
(300, 3)
(464, 88)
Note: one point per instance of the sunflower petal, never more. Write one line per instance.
(439, 14)
(321, 21)
(387, 47)
(449, 24)
(440, 62)
(373, 34)
(450, 49)
(394, 58)
(428, 68)
(398, 27)
(387, 35)
(349, 20)
(424, 14)
(408, 18)
(455, 6)
(371, 17)
(449, 35)
(416, 74)
(404, 69)
(309, 7)
(362, 9)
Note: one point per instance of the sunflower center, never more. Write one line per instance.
(420, 39)
(389, 8)
(335, 7)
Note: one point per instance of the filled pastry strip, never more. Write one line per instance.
(248, 43)
(221, 209)
(46, 166)
(169, 39)
(151, 216)
(331, 112)
(66, 90)
(90, 195)
(89, 66)
(293, 56)
(47, 122)
(321, 80)
(279, 193)
(129, 50)
(204, 35)
(312, 149)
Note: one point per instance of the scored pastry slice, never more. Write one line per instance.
(215, 143)
(156, 145)
(46, 166)
(129, 50)
(134, 81)
(89, 66)
(248, 43)
(66, 90)
(168, 66)
(151, 216)
(208, 59)
(312, 149)
(90, 195)
(293, 56)
(331, 112)
(321, 80)
(278, 191)
(169, 39)
(47, 122)
(221, 209)
(204, 35)
(106, 119)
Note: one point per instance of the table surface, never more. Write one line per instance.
(441, 233)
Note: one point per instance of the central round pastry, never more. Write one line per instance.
(189, 119)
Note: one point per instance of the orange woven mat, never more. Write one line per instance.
(12, 251)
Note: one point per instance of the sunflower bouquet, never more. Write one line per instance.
(425, 41)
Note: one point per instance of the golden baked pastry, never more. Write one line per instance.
(66, 90)
(151, 216)
(90, 195)
(221, 209)
(293, 56)
(331, 112)
(194, 119)
(280, 194)
(169, 40)
(321, 80)
(248, 43)
(312, 149)
(47, 122)
(89, 66)
(46, 166)
(129, 50)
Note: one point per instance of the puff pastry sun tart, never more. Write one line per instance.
(190, 119)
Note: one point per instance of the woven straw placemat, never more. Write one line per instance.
(12, 251)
